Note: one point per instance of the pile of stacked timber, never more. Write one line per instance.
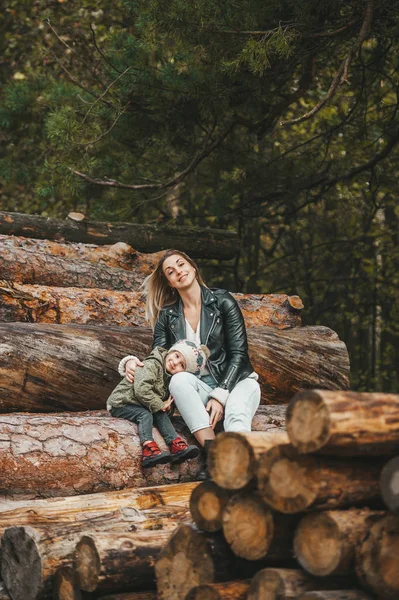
(296, 513)
(76, 516)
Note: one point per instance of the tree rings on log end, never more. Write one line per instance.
(287, 481)
(231, 461)
(65, 586)
(185, 562)
(207, 504)
(87, 564)
(389, 484)
(308, 423)
(21, 564)
(248, 526)
(317, 544)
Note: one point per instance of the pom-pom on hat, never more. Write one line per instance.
(194, 354)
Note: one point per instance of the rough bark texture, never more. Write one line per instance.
(389, 484)
(207, 503)
(377, 559)
(197, 242)
(344, 423)
(230, 590)
(41, 304)
(291, 483)
(287, 584)
(325, 543)
(119, 255)
(71, 367)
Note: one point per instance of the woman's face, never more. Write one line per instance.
(178, 271)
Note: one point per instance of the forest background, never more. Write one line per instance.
(276, 119)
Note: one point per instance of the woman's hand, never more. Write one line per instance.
(130, 368)
(167, 404)
(215, 409)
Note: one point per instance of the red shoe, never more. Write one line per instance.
(153, 455)
(180, 451)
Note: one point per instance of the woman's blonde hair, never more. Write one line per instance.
(157, 289)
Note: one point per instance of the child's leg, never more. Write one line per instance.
(164, 425)
(179, 450)
(139, 415)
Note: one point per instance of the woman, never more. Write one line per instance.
(180, 306)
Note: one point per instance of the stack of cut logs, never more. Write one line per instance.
(76, 520)
(296, 513)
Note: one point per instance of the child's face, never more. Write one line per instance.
(175, 362)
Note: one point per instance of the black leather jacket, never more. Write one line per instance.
(222, 330)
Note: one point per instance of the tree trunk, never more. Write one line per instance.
(197, 242)
(335, 595)
(119, 255)
(377, 558)
(325, 543)
(252, 531)
(207, 503)
(71, 367)
(389, 484)
(233, 457)
(344, 423)
(29, 267)
(80, 509)
(41, 304)
(291, 483)
(114, 561)
(230, 590)
(286, 584)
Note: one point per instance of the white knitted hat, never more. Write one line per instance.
(194, 354)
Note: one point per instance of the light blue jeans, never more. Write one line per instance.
(191, 395)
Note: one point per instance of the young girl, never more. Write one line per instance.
(146, 401)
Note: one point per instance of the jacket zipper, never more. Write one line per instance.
(206, 344)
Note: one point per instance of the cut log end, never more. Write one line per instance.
(390, 484)
(87, 564)
(21, 565)
(317, 544)
(229, 590)
(184, 563)
(231, 461)
(248, 526)
(295, 302)
(203, 592)
(265, 585)
(65, 586)
(308, 423)
(287, 481)
(207, 504)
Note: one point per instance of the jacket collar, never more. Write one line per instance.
(207, 297)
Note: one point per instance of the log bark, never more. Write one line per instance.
(207, 503)
(119, 255)
(41, 304)
(335, 595)
(72, 367)
(344, 423)
(325, 543)
(252, 531)
(84, 508)
(230, 590)
(287, 584)
(290, 482)
(197, 242)
(29, 267)
(233, 457)
(389, 484)
(377, 558)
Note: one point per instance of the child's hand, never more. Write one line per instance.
(167, 404)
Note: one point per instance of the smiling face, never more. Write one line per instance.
(179, 272)
(175, 362)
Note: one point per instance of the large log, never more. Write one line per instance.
(344, 423)
(197, 242)
(377, 558)
(207, 503)
(325, 543)
(233, 457)
(72, 367)
(389, 484)
(287, 584)
(229, 590)
(29, 267)
(119, 255)
(291, 482)
(43, 304)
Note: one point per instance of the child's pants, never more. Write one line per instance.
(146, 420)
